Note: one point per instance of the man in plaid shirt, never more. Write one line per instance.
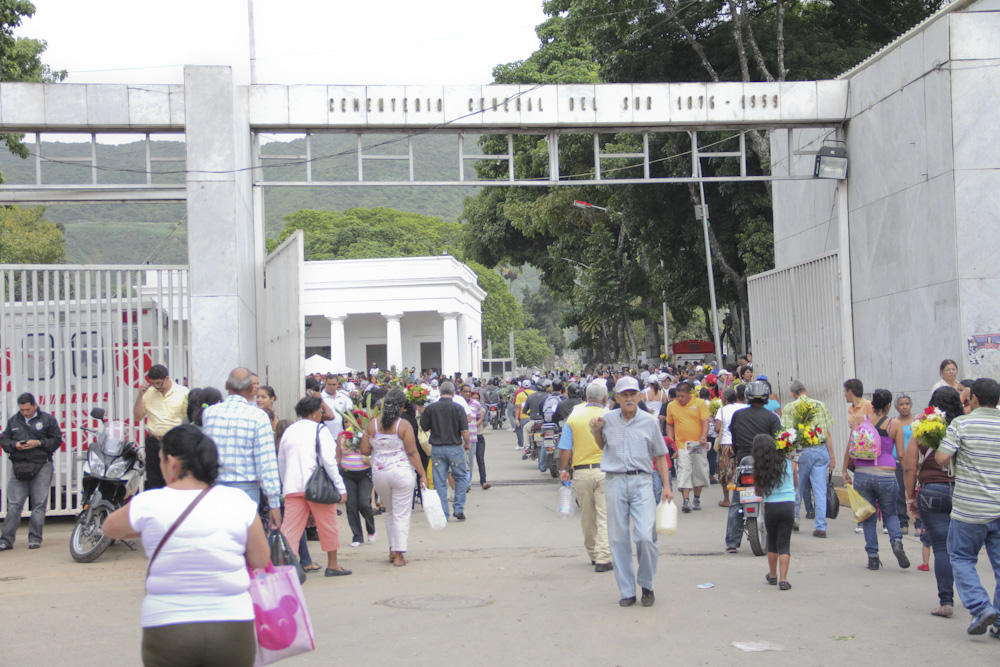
(243, 435)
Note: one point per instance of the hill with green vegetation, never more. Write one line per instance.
(137, 232)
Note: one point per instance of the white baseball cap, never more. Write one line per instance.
(526, 384)
(626, 383)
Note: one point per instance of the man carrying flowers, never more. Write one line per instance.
(810, 423)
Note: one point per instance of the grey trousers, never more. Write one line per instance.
(37, 492)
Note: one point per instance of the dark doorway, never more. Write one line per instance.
(377, 354)
(430, 356)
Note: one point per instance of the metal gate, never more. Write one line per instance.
(795, 334)
(284, 325)
(79, 337)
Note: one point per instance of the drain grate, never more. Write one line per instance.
(434, 602)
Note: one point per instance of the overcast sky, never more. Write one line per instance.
(298, 41)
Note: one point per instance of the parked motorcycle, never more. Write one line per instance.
(751, 507)
(495, 416)
(112, 473)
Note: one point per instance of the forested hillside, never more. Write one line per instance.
(130, 233)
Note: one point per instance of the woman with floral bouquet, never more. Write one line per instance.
(357, 471)
(775, 478)
(932, 502)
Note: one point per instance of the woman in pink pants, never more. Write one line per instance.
(297, 460)
(395, 467)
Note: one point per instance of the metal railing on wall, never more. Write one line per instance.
(80, 337)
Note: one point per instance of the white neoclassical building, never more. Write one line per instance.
(421, 312)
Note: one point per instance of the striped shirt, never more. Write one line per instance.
(973, 442)
(631, 445)
(243, 435)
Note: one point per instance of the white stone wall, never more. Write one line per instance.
(923, 192)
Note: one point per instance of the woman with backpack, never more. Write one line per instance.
(870, 455)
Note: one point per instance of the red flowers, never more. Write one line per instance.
(929, 410)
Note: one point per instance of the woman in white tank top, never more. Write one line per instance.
(395, 467)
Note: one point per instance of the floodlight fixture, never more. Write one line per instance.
(831, 162)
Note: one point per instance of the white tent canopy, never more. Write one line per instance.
(320, 364)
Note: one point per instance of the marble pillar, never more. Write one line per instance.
(449, 345)
(338, 344)
(394, 341)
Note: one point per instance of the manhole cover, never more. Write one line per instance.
(11, 578)
(434, 602)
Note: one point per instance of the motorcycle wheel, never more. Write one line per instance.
(554, 470)
(496, 423)
(88, 541)
(757, 534)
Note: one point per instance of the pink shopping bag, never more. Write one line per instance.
(280, 614)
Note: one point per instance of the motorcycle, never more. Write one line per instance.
(751, 507)
(495, 416)
(545, 443)
(112, 473)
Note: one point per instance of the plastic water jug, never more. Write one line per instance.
(565, 499)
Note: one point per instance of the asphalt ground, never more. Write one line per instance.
(513, 583)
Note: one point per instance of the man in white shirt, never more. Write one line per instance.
(339, 401)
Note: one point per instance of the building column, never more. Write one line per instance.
(394, 341)
(449, 344)
(338, 344)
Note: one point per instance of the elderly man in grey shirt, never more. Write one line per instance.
(630, 442)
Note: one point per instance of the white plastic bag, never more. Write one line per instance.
(433, 510)
(666, 518)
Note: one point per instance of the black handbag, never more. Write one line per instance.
(25, 471)
(832, 499)
(281, 554)
(320, 488)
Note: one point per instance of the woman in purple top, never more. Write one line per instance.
(876, 481)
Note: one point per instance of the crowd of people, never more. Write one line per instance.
(626, 439)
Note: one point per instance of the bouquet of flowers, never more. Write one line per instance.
(930, 427)
(417, 394)
(786, 441)
(803, 416)
(713, 406)
(355, 423)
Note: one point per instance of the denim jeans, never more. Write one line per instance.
(519, 430)
(631, 496)
(965, 541)
(814, 462)
(445, 459)
(734, 524)
(36, 492)
(879, 489)
(934, 504)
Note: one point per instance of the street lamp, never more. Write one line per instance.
(831, 162)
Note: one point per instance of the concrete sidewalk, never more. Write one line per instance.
(513, 583)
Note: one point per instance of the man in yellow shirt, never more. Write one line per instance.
(164, 405)
(520, 416)
(588, 479)
(687, 426)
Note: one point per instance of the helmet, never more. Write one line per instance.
(763, 378)
(557, 386)
(546, 383)
(574, 390)
(758, 389)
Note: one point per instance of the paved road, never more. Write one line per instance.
(543, 601)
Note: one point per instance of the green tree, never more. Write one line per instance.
(27, 238)
(530, 345)
(20, 59)
(501, 311)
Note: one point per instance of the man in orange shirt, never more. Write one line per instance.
(687, 426)
(857, 405)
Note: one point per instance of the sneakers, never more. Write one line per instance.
(686, 507)
(603, 567)
(924, 567)
(697, 504)
(859, 530)
(34, 545)
(460, 516)
(874, 563)
(982, 622)
(897, 550)
(5, 547)
(995, 632)
(647, 596)
(626, 602)
(810, 515)
(355, 544)
(371, 538)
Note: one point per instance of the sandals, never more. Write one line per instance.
(771, 580)
(723, 503)
(784, 585)
(399, 564)
(312, 567)
(944, 611)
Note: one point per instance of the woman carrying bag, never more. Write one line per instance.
(200, 539)
(298, 462)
